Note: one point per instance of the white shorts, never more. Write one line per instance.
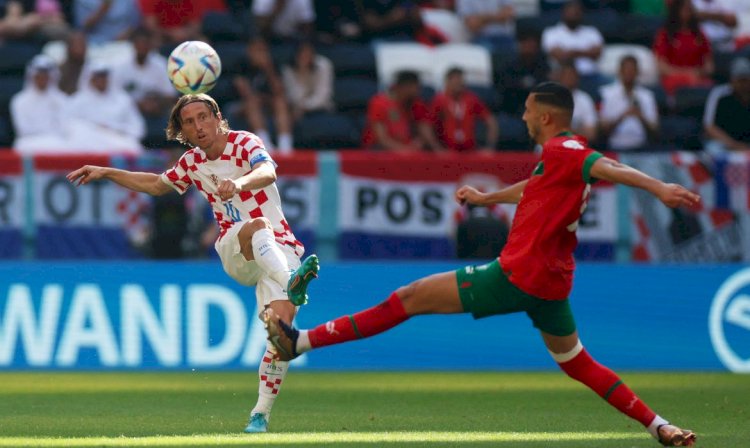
(248, 273)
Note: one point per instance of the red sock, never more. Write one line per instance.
(369, 322)
(609, 386)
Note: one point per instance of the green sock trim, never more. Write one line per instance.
(612, 389)
(354, 327)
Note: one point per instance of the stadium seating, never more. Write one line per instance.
(9, 86)
(351, 94)
(15, 55)
(232, 56)
(475, 60)
(513, 134)
(326, 130)
(223, 27)
(392, 58)
(691, 101)
(678, 132)
(609, 62)
(350, 58)
(6, 132)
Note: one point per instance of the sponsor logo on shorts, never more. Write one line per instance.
(730, 315)
(469, 269)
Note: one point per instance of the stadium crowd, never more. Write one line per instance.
(398, 75)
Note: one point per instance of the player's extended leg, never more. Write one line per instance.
(271, 373)
(436, 294)
(259, 243)
(575, 361)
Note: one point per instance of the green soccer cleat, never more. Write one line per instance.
(258, 423)
(296, 289)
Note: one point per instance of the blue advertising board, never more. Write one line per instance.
(190, 315)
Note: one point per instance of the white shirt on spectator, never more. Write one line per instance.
(584, 110)
(717, 32)
(294, 13)
(37, 112)
(466, 8)
(630, 133)
(315, 93)
(140, 80)
(582, 38)
(104, 122)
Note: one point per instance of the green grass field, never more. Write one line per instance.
(360, 409)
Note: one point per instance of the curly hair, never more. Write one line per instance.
(174, 127)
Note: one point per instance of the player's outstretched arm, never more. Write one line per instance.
(142, 182)
(672, 195)
(508, 195)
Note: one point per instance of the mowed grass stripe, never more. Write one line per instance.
(321, 438)
(341, 409)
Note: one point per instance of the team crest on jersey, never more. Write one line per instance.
(573, 144)
(215, 179)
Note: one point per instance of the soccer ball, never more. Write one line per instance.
(193, 67)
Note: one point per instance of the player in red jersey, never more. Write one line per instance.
(534, 272)
(235, 173)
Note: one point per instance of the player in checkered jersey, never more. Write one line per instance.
(235, 173)
(534, 272)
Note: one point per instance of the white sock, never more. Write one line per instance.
(303, 342)
(265, 138)
(286, 143)
(270, 258)
(271, 374)
(654, 426)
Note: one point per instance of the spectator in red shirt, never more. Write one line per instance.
(398, 120)
(176, 21)
(682, 50)
(456, 110)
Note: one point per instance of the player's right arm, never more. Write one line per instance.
(142, 182)
(508, 195)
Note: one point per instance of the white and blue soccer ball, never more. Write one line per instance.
(194, 67)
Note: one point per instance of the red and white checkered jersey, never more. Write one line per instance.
(243, 151)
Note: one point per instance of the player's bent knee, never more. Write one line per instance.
(562, 358)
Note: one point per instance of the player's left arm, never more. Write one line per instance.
(262, 175)
(672, 195)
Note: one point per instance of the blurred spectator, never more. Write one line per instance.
(456, 110)
(491, 23)
(628, 113)
(103, 117)
(37, 110)
(337, 20)
(106, 20)
(145, 76)
(718, 20)
(175, 21)
(308, 81)
(523, 71)
(260, 86)
(73, 66)
(24, 18)
(284, 19)
(398, 120)
(682, 50)
(727, 117)
(585, 120)
(570, 40)
(388, 19)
